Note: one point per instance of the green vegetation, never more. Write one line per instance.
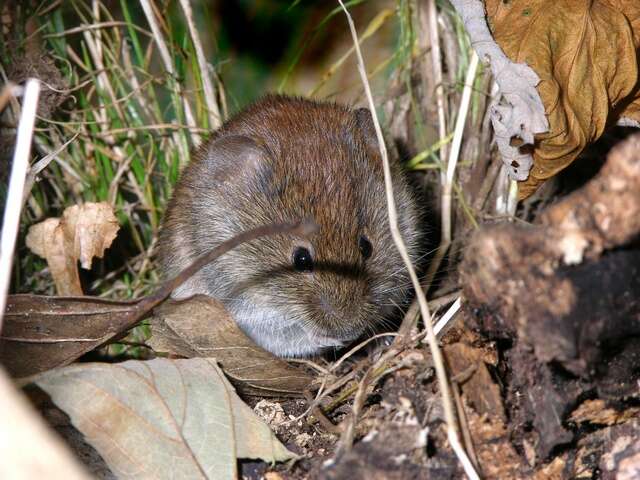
(123, 125)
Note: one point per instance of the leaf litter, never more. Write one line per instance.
(162, 418)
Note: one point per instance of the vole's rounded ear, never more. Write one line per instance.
(364, 120)
(235, 158)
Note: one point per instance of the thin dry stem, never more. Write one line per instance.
(168, 63)
(424, 307)
(40, 165)
(455, 147)
(13, 206)
(454, 154)
(432, 15)
(215, 120)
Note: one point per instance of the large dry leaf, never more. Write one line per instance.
(202, 327)
(41, 333)
(84, 232)
(586, 55)
(27, 448)
(162, 418)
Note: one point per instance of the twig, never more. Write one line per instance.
(13, 206)
(215, 119)
(303, 228)
(441, 373)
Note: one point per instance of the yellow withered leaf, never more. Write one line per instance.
(586, 55)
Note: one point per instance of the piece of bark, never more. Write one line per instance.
(479, 389)
(201, 327)
(565, 301)
(612, 453)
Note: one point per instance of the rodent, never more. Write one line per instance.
(285, 159)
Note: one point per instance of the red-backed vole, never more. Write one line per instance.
(286, 159)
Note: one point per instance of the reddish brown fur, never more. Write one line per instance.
(284, 159)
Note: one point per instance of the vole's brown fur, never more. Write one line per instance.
(285, 159)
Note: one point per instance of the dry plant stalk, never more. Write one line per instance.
(13, 206)
(168, 63)
(454, 154)
(432, 14)
(424, 307)
(215, 120)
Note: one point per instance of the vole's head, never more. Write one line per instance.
(288, 159)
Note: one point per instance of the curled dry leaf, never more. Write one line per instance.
(162, 418)
(201, 327)
(586, 55)
(89, 230)
(46, 239)
(84, 232)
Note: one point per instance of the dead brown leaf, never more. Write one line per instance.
(84, 232)
(201, 327)
(41, 333)
(162, 418)
(46, 239)
(89, 230)
(586, 55)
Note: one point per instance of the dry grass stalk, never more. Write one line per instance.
(13, 206)
(432, 16)
(215, 120)
(168, 62)
(438, 361)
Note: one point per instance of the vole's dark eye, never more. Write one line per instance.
(302, 260)
(365, 247)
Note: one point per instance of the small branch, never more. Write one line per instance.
(302, 229)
